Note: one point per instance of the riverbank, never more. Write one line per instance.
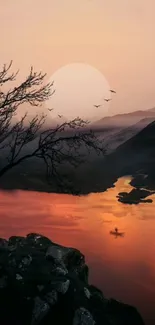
(42, 283)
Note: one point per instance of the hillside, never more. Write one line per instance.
(119, 137)
(117, 129)
(137, 152)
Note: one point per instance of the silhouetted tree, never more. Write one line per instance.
(55, 145)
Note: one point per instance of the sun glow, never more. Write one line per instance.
(80, 90)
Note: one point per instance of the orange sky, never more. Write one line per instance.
(117, 37)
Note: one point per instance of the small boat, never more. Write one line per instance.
(115, 232)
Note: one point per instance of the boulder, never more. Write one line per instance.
(43, 283)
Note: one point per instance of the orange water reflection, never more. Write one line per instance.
(124, 267)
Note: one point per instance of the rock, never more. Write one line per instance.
(55, 255)
(55, 252)
(83, 317)
(16, 240)
(3, 282)
(42, 283)
(38, 241)
(60, 284)
(63, 287)
(19, 277)
(40, 287)
(40, 310)
(61, 271)
(96, 297)
(51, 297)
(3, 243)
(122, 313)
(87, 292)
(135, 196)
(74, 259)
(26, 260)
(75, 262)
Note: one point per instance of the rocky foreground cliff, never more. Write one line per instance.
(42, 283)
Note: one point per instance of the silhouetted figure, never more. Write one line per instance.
(116, 233)
(50, 109)
(59, 115)
(112, 91)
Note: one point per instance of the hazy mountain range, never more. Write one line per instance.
(139, 150)
(119, 128)
(130, 139)
(125, 120)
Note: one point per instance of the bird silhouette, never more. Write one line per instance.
(107, 99)
(59, 115)
(112, 91)
(50, 109)
(97, 106)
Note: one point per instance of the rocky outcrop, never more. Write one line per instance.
(135, 196)
(42, 283)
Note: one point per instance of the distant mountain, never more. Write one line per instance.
(144, 140)
(124, 120)
(136, 153)
(119, 137)
(117, 129)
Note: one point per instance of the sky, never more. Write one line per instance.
(116, 37)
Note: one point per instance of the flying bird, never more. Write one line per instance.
(107, 99)
(112, 91)
(50, 109)
(59, 115)
(97, 106)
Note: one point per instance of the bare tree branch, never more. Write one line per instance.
(67, 143)
(4, 77)
(26, 92)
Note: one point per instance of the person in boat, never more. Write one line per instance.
(116, 232)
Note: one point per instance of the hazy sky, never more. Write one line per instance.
(115, 36)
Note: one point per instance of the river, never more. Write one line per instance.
(123, 267)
